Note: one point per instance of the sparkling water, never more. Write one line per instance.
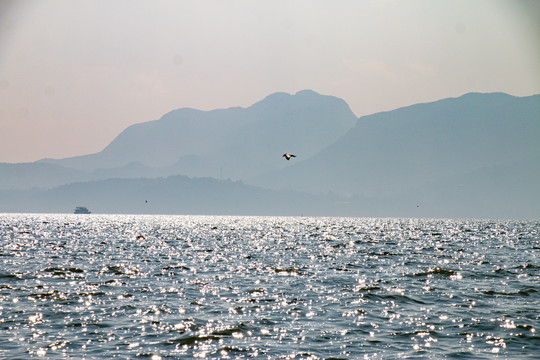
(175, 287)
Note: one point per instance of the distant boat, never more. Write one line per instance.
(288, 156)
(81, 210)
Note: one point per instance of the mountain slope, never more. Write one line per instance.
(238, 142)
(394, 152)
(30, 175)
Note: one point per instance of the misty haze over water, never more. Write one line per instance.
(475, 156)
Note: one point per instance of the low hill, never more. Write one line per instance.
(32, 175)
(206, 196)
(172, 195)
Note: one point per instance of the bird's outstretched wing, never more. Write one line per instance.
(288, 156)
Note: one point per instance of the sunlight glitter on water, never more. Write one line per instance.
(229, 287)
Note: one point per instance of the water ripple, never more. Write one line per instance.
(267, 287)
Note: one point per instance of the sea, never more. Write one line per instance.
(226, 287)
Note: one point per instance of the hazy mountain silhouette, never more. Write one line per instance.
(207, 196)
(235, 142)
(473, 156)
(172, 195)
(394, 152)
(30, 175)
(43, 175)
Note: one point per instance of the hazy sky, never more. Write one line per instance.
(73, 74)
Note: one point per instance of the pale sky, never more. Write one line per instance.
(74, 74)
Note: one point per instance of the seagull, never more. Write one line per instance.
(288, 156)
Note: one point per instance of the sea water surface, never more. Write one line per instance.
(175, 287)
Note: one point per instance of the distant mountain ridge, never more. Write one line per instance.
(171, 195)
(477, 155)
(243, 142)
(393, 152)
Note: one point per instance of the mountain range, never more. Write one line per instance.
(394, 152)
(477, 155)
(243, 142)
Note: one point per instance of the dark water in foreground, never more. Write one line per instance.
(159, 287)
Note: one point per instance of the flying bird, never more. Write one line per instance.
(288, 156)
